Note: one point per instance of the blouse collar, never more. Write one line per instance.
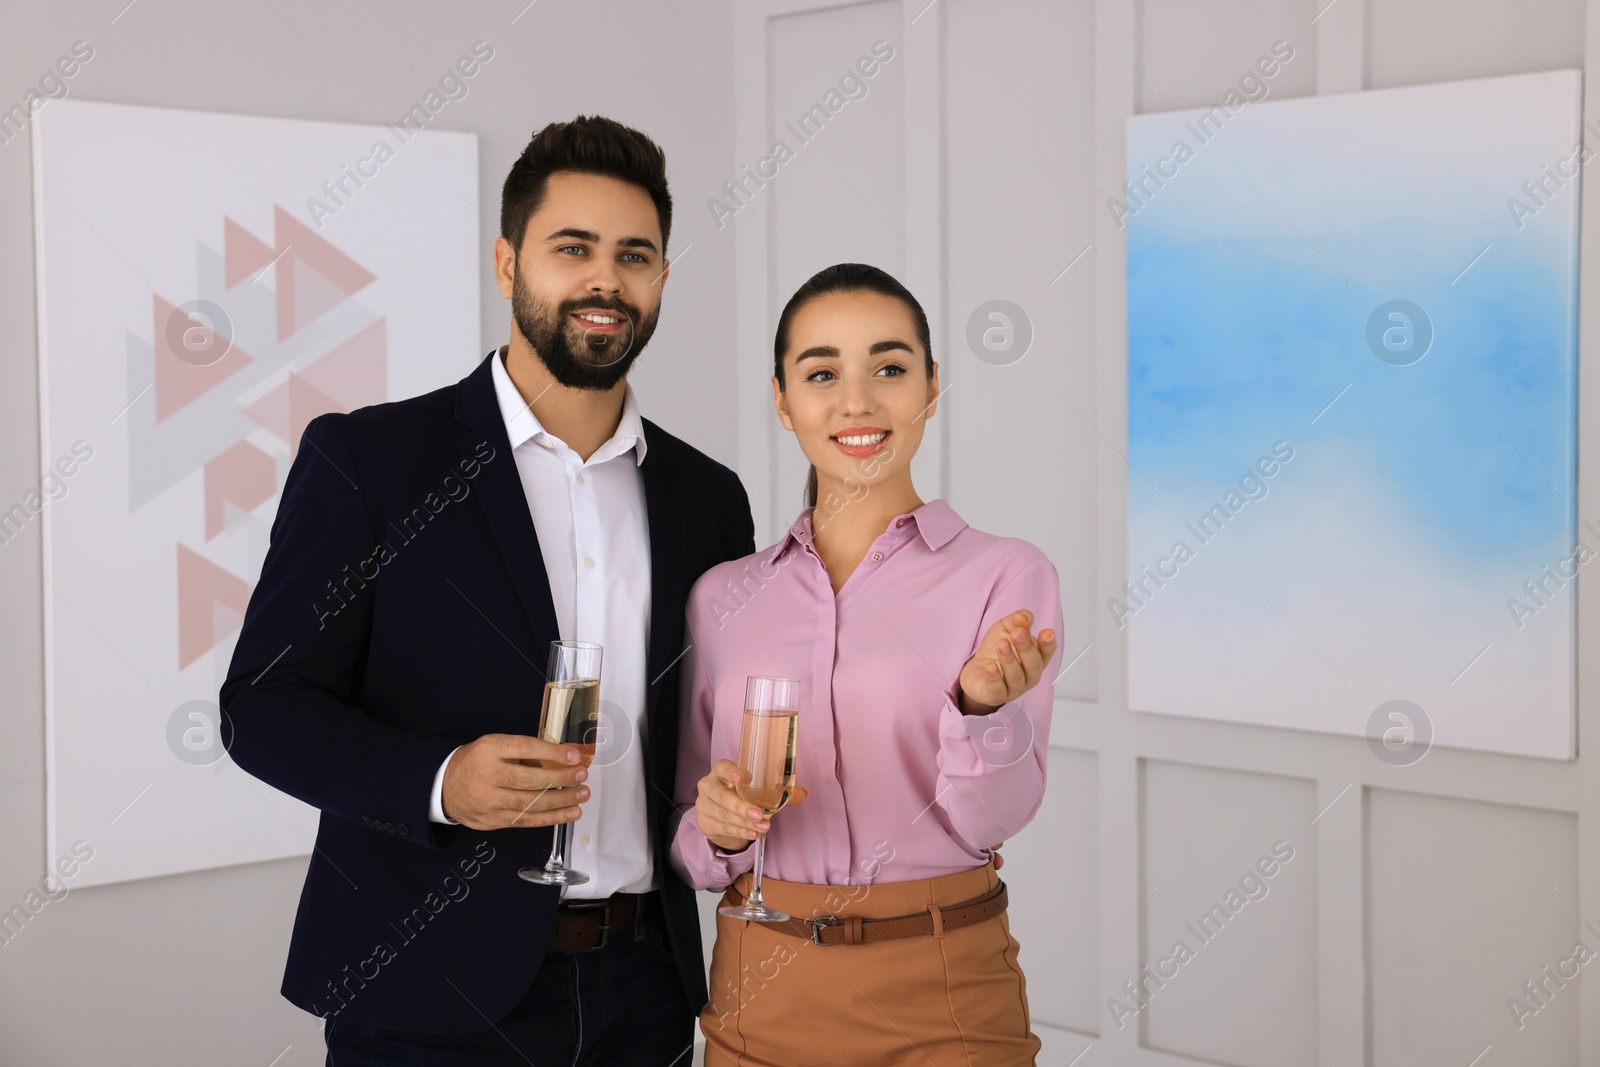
(936, 522)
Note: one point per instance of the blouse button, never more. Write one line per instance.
(899, 522)
(876, 556)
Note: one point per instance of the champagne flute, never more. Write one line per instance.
(570, 715)
(766, 762)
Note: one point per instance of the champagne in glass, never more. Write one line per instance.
(767, 743)
(570, 715)
(766, 762)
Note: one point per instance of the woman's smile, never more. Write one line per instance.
(859, 441)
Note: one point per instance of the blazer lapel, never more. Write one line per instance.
(663, 495)
(505, 503)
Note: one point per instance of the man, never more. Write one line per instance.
(391, 664)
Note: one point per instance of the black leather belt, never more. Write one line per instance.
(587, 925)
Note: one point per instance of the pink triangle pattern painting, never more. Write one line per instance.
(312, 277)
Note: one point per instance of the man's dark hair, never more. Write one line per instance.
(590, 144)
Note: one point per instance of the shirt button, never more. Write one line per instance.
(588, 561)
(584, 840)
(899, 522)
(546, 442)
(580, 479)
(876, 556)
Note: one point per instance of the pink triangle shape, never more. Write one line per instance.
(356, 372)
(314, 295)
(203, 588)
(243, 254)
(286, 410)
(240, 479)
(179, 383)
(302, 244)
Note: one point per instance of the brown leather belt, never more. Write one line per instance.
(587, 925)
(833, 930)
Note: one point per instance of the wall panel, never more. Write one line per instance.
(1466, 901)
(1230, 865)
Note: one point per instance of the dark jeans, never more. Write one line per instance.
(619, 1006)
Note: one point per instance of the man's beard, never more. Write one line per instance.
(591, 360)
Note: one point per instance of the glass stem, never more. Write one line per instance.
(755, 877)
(558, 854)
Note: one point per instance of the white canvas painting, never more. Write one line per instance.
(207, 284)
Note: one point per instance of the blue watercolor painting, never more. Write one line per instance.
(1352, 413)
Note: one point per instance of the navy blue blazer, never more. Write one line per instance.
(403, 609)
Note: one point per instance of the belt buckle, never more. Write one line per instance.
(605, 922)
(817, 925)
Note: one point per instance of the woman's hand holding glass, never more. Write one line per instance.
(729, 821)
(1009, 662)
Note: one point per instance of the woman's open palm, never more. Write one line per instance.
(1009, 662)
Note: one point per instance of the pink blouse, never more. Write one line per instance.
(902, 785)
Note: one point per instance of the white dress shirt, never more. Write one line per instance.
(593, 528)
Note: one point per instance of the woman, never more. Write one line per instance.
(921, 733)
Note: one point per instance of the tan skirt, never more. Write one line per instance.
(779, 1001)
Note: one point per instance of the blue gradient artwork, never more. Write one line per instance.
(1352, 414)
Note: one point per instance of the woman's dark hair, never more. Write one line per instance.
(591, 144)
(845, 278)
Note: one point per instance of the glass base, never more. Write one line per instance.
(559, 876)
(753, 912)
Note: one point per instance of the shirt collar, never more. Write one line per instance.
(523, 425)
(936, 522)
